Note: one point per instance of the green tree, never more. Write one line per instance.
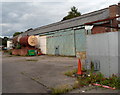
(30, 29)
(4, 41)
(16, 33)
(0, 41)
(72, 14)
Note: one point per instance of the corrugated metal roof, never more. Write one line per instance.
(93, 16)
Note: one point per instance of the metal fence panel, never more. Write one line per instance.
(104, 48)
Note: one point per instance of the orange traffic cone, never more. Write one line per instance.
(79, 67)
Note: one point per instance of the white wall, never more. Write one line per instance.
(42, 43)
(104, 48)
(9, 44)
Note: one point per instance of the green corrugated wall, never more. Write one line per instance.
(63, 42)
(80, 40)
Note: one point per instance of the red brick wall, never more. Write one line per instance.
(114, 10)
(19, 52)
(119, 9)
(98, 29)
(23, 51)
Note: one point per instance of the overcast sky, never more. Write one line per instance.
(20, 16)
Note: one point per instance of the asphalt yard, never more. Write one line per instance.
(38, 74)
(35, 74)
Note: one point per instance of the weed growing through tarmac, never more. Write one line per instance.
(75, 85)
(61, 89)
(70, 73)
(9, 56)
(85, 80)
(31, 59)
(23, 73)
(68, 66)
(88, 80)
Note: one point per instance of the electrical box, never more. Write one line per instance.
(96, 65)
(87, 65)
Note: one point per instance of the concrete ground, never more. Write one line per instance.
(39, 73)
(35, 74)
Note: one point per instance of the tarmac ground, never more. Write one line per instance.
(38, 74)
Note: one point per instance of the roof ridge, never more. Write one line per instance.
(60, 22)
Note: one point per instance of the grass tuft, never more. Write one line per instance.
(61, 89)
(70, 73)
(31, 59)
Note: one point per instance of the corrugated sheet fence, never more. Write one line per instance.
(103, 48)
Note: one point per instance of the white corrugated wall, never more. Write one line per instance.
(42, 43)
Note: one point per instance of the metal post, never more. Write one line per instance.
(74, 42)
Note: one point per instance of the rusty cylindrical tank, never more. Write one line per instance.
(28, 40)
(24, 40)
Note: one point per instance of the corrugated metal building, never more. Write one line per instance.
(69, 37)
(75, 22)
